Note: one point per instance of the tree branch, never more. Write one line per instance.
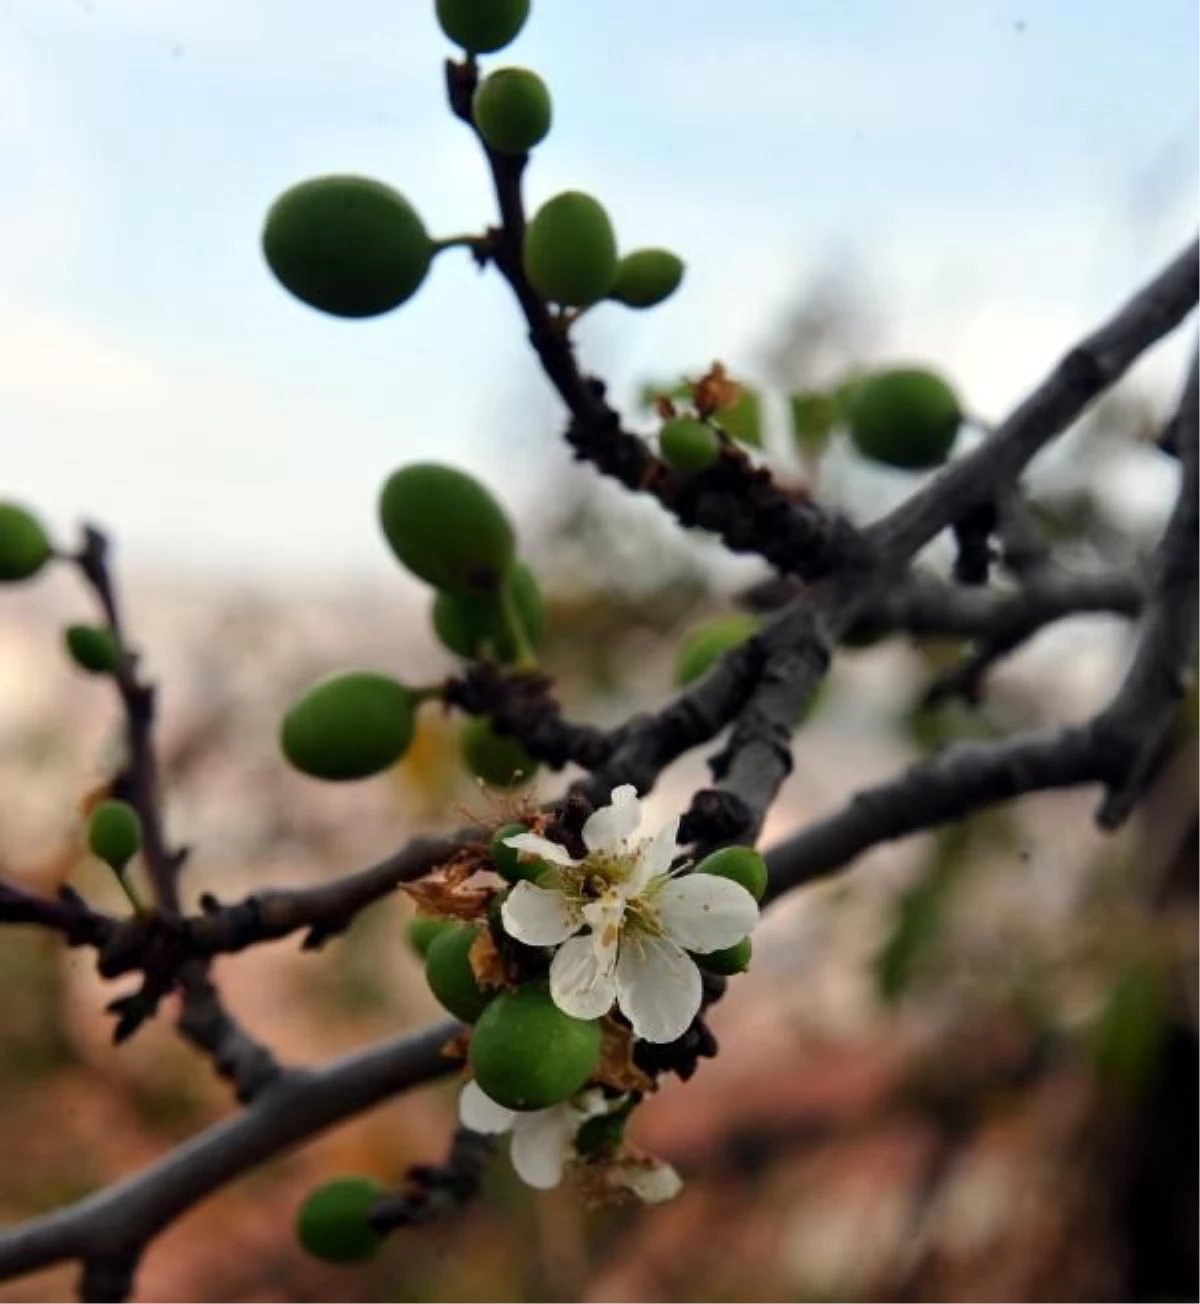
(1143, 709)
(957, 781)
(1086, 371)
(114, 1226)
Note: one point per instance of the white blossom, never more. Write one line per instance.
(542, 1139)
(641, 921)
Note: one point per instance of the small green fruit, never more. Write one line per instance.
(332, 1223)
(509, 861)
(570, 251)
(481, 26)
(646, 277)
(348, 727)
(743, 421)
(706, 643)
(733, 959)
(739, 864)
(423, 931)
(115, 833)
(602, 1135)
(346, 245)
(475, 626)
(512, 110)
(92, 648)
(527, 1054)
(688, 445)
(495, 758)
(450, 976)
(447, 529)
(24, 545)
(907, 418)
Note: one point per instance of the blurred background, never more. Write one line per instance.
(964, 1070)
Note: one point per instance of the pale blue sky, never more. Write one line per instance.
(1001, 173)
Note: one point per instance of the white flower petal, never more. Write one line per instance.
(651, 1183)
(581, 978)
(658, 987)
(604, 917)
(540, 1144)
(703, 912)
(654, 859)
(610, 827)
(480, 1113)
(538, 916)
(543, 847)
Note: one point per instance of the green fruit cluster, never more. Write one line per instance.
(512, 110)
(114, 833)
(24, 545)
(704, 645)
(422, 932)
(508, 860)
(906, 418)
(332, 1223)
(646, 277)
(446, 528)
(349, 726)
(450, 976)
(688, 444)
(347, 245)
(732, 960)
(740, 865)
(527, 1054)
(570, 251)
(93, 648)
(482, 26)
(475, 626)
(497, 759)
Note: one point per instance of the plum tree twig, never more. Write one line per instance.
(841, 577)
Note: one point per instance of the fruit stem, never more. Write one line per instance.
(526, 656)
(425, 693)
(478, 244)
(131, 892)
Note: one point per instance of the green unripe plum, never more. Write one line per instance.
(704, 645)
(115, 833)
(92, 648)
(346, 245)
(471, 625)
(743, 421)
(512, 110)
(907, 418)
(495, 758)
(741, 865)
(603, 1134)
(348, 727)
(688, 445)
(24, 544)
(646, 277)
(527, 1054)
(450, 976)
(508, 860)
(423, 931)
(570, 251)
(447, 529)
(733, 959)
(481, 26)
(332, 1223)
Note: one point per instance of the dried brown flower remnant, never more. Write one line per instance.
(617, 1068)
(715, 390)
(444, 898)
